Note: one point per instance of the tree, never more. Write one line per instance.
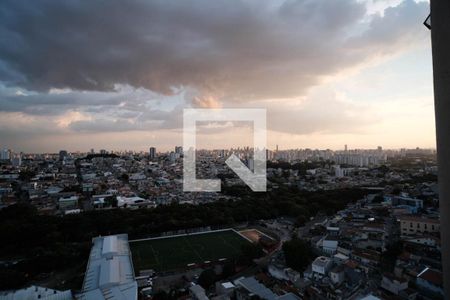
(161, 295)
(207, 278)
(228, 270)
(26, 175)
(125, 177)
(301, 220)
(10, 279)
(250, 252)
(297, 254)
(25, 234)
(390, 256)
(378, 199)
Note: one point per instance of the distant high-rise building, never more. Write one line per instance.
(345, 147)
(62, 154)
(179, 150)
(338, 172)
(269, 154)
(103, 151)
(152, 152)
(6, 154)
(172, 156)
(17, 160)
(251, 164)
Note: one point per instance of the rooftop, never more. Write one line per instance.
(433, 276)
(109, 273)
(254, 287)
(419, 219)
(36, 292)
(199, 292)
(321, 261)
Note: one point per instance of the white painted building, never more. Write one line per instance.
(330, 245)
(133, 201)
(321, 265)
(225, 288)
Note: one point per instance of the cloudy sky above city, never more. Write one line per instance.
(77, 75)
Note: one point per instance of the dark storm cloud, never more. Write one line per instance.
(114, 61)
(229, 48)
(54, 104)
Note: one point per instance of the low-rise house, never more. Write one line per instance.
(430, 280)
(320, 266)
(68, 202)
(197, 292)
(250, 288)
(412, 225)
(340, 258)
(330, 245)
(366, 257)
(429, 240)
(283, 273)
(413, 203)
(137, 177)
(408, 294)
(393, 284)
(337, 275)
(87, 187)
(225, 288)
(133, 201)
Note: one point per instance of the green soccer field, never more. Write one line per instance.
(177, 252)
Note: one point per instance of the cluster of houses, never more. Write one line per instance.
(372, 248)
(70, 183)
(332, 176)
(242, 288)
(385, 246)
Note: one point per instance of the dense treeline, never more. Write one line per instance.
(44, 244)
(104, 155)
(298, 254)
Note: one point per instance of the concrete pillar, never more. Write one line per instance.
(440, 39)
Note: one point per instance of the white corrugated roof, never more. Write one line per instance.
(109, 245)
(253, 286)
(109, 273)
(35, 292)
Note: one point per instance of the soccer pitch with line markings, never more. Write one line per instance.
(169, 253)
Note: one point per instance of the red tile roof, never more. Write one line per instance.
(433, 276)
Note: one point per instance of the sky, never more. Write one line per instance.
(78, 75)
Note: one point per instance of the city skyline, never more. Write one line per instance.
(155, 150)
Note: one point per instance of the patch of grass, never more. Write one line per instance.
(171, 253)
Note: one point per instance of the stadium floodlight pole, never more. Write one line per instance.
(440, 40)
